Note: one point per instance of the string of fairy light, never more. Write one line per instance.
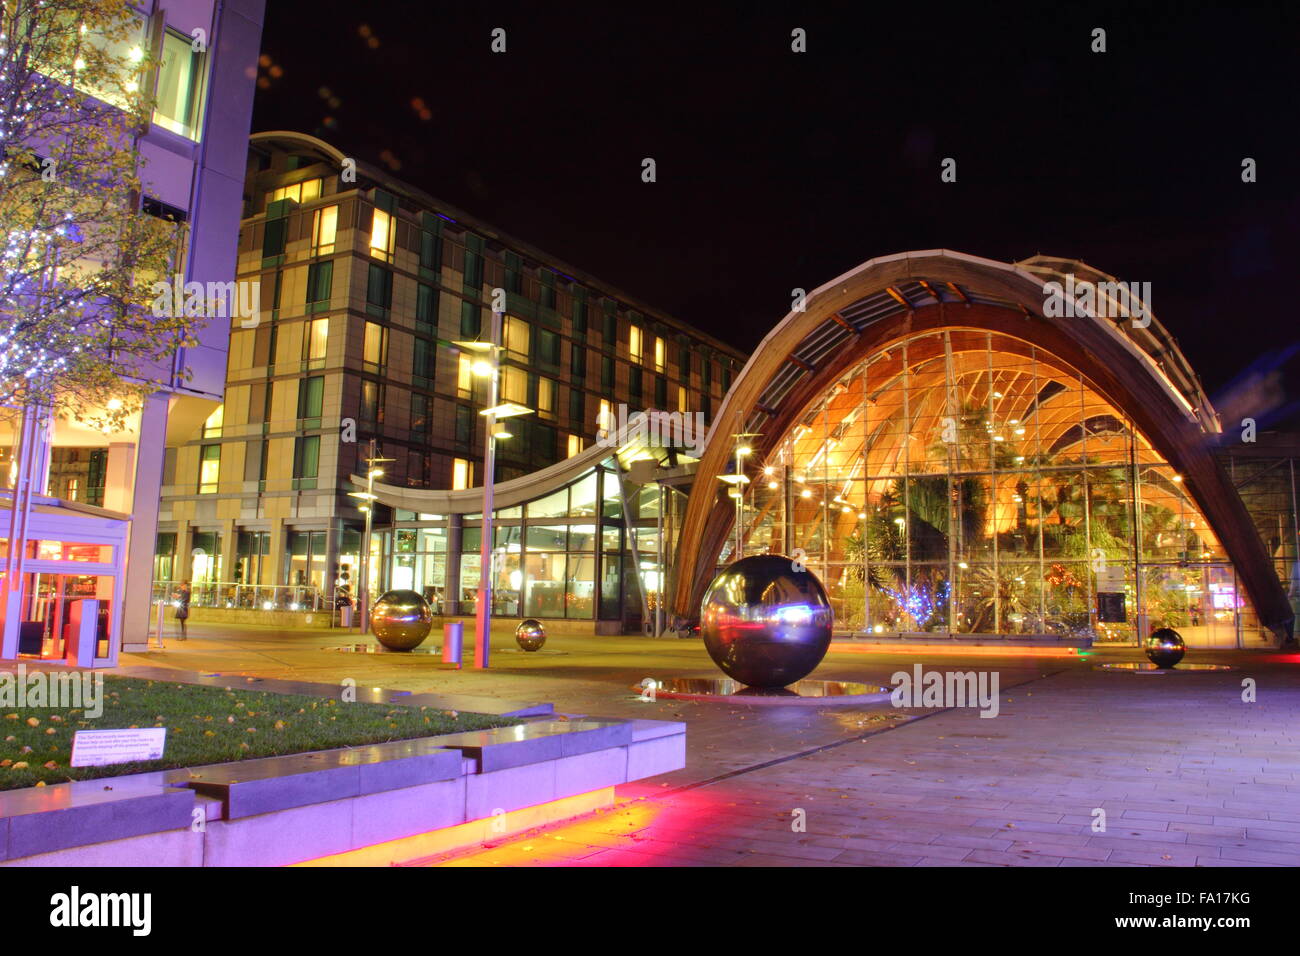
(34, 103)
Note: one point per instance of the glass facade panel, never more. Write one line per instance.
(966, 481)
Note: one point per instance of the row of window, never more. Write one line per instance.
(418, 470)
(643, 347)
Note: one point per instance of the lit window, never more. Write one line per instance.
(605, 418)
(316, 339)
(514, 385)
(74, 486)
(661, 350)
(209, 469)
(575, 445)
(545, 396)
(518, 337)
(382, 235)
(375, 341)
(179, 105)
(324, 225)
(634, 343)
(465, 374)
(298, 192)
(461, 474)
(681, 398)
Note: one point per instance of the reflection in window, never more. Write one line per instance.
(554, 505)
(179, 101)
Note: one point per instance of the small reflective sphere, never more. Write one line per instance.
(530, 635)
(401, 620)
(764, 623)
(1165, 647)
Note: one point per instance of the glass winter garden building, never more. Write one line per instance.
(949, 456)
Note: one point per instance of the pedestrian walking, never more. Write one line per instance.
(182, 597)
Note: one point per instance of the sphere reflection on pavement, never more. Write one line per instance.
(1165, 647)
(401, 620)
(764, 623)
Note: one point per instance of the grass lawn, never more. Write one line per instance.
(208, 725)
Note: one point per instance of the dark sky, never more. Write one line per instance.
(778, 170)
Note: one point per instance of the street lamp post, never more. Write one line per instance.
(495, 410)
(369, 497)
(483, 612)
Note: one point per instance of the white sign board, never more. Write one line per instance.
(95, 748)
(1110, 579)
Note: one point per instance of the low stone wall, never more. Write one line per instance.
(372, 805)
(249, 615)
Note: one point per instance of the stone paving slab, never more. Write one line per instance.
(936, 792)
(1187, 774)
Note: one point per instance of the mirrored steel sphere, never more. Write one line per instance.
(1165, 647)
(764, 623)
(530, 635)
(401, 620)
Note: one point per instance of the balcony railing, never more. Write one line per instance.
(264, 597)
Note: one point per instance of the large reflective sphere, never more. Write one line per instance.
(530, 635)
(764, 623)
(401, 620)
(1165, 647)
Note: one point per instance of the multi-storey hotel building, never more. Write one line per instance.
(366, 285)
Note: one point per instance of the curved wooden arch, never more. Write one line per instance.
(1125, 374)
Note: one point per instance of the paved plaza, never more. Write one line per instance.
(1081, 767)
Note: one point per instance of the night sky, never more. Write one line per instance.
(778, 169)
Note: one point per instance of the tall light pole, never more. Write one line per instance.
(491, 369)
(483, 611)
(369, 497)
(738, 479)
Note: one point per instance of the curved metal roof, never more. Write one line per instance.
(1138, 369)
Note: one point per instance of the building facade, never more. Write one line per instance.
(194, 154)
(366, 285)
(945, 457)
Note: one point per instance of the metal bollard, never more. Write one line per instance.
(453, 642)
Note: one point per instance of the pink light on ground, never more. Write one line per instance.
(639, 831)
(955, 650)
